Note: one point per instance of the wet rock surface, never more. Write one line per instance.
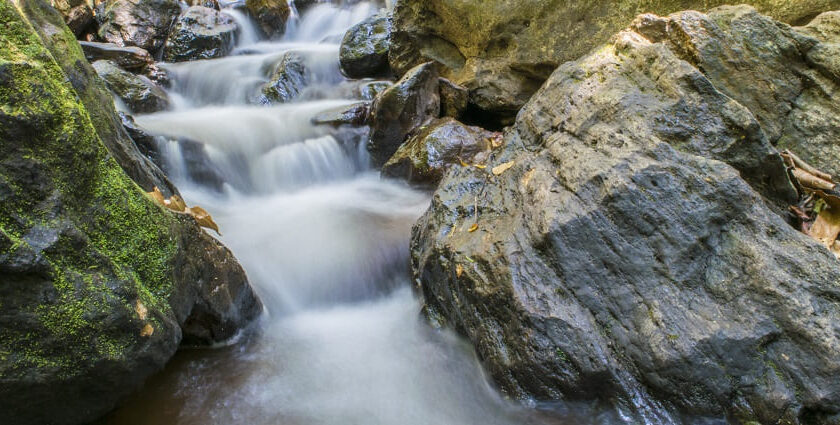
(271, 15)
(355, 115)
(503, 51)
(400, 109)
(141, 23)
(630, 249)
(128, 58)
(364, 49)
(99, 284)
(288, 79)
(138, 93)
(200, 33)
(424, 158)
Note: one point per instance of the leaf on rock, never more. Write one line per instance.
(480, 166)
(473, 228)
(498, 170)
(203, 218)
(157, 196)
(147, 330)
(826, 228)
(175, 203)
(141, 310)
(496, 140)
(463, 164)
(459, 270)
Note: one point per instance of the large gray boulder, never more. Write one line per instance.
(141, 23)
(137, 92)
(628, 249)
(200, 33)
(401, 108)
(364, 49)
(504, 50)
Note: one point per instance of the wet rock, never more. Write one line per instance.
(271, 15)
(364, 49)
(355, 115)
(434, 148)
(287, 81)
(77, 14)
(454, 99)
(503, 52)
(403, 107)
(99, 284)
(212, 4)
(141, 23)
(138, 93)
(200, 33)
(128, 58)
(93, 93)
(368, 90)
(630, 253)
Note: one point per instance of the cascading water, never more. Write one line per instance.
(324, 241)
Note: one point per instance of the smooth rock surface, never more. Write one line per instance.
(355, 114)
(403, 107)
(138, 93)
(128, 58)
(141, 23)
(200, 33)
(503, 51)
(630, 253)
(288, 79)
(364, 49)
(424, 158)
(271, 15)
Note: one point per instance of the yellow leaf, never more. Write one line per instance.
(459, 270)
(176, 204)
(480, 166)
(203, 218)
(463, 164)
(473, 228)
(147, 330)
(141, 310)
(496, 141)
(157, 196)
(497, 171)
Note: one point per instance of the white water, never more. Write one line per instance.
(325, 243)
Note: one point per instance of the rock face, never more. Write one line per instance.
(287, 81)
(400, 109)
(200, 33)
(139, 93)
(364, 50)
(355, 115)
(425, 157)
(77, 14)
(129, 58)
(99, 284)
(504, 50)
(630, 253)
(141, 23)
(271, 15)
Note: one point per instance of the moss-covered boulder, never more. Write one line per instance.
(98, 284)
(364, 49)
(271, 15)
(504, 50)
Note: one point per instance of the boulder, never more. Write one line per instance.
(368, 90)
(98, 101)
(128, 58)
(623, 245)
(364, 49)
(76, 13)
(288, 79)
(434, 148)
(138, 93)
(200, 33)
(355, 115)
(99, 284)
(271, 15)
(503, 51)
(403, 107)
(141, 23)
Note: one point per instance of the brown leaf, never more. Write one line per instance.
(203, 218)
(826, 228)
(811, 181)
(147, 330)
(496, 140)
(157, 196)
(498, 170)
(459, 270)
(176, 204)
(141, 310)
(794, 161)
(473, 228)
(480, 166)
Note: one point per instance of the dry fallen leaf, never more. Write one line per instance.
(459, 270)
(463, 164)
(480, 166)
(147, 330)
(176, 204)
(496, 140)
(203, 218)
(158, 196)
(826, 228)
(473, 228)
(498, 170)
(141, 310)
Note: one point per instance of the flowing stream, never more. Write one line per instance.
(324, 241)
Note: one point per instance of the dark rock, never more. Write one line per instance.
(129, 58)
(141, 23)
(408, 104)
(368, 90)
(200, 33)
(434, 148)
(212, 4)
(138, 93)
(630, 254)
(94, 95)
(271, 15)
(355, 114)
(364, 49)
(453, 99)
(77, 14)
(503, 51)
(99, 284)
(289, 78)
(146, 143)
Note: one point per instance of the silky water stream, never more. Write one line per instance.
(324, 241)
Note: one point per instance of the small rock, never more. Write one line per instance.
(200, 33)
(139, 93)
(364, 49)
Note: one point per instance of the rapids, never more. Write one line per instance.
(324, 241)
